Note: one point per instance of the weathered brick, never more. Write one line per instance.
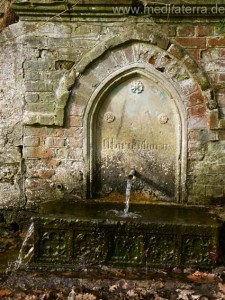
(216, 42)
(192, 42)
(39, 65)
(32, 75)
(31, 97)
(186, 30)
(36, 86)
(54, 142)
(196, 98)
(76, 143)
(37, 152)
(221, 135)
(41, 107)
(45, 174)
(119, 57)
(196, 53)
(31, 141)
(129, 54)
(46, 119)
(214, 191)
(199, 189)
(54, 163)
(59, 116)
(204, 30)
(176, 51)
(36, 184)
(75, 121)
(58, 42)
(76, 110)
(221, 77)
(213, 119)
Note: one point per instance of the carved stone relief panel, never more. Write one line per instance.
(137, 126)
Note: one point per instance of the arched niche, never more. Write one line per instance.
(136, 119)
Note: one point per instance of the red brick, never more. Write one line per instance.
(37, 152)
(176, 51)
(196, 53)
(192, 42)
(216, 42)
(197, 110)
(195, 99)
(72, 142)
(194, 134)
(54, 163)
(186, 30)
(222, 53)
(152, 60)
(204, 30)
(58, 142)
(45, 174)
(75, 121)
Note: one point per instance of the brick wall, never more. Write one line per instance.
(42, 131)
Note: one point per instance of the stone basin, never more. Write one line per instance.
(72, 235)
(144, 213)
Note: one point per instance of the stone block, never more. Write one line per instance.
(30, 118)
(31, 97)
(46, 119)
(62, 100)
(32, 75)
(31, 141)
(199, 189)
(59, 116)
(59, 42)
(214, 191)
(40, 107)
(35, 65)
(38, 86)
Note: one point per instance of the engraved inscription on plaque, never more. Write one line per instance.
(113, 144)
(129, 134)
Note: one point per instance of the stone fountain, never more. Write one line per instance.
(113, 114)
(136, 151)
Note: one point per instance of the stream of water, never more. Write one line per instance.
(128, 193)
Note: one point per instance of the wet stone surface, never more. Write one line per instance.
(103, 282)
(72, 235)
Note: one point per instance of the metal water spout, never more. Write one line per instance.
(131, 173)
(128, 189)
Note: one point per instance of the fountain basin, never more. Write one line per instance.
(74, 235)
